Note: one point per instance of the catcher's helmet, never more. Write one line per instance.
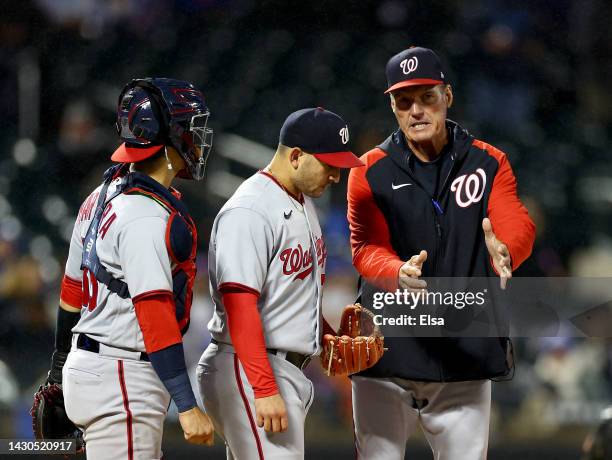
(154, 112)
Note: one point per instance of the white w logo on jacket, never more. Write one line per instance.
(469, 188)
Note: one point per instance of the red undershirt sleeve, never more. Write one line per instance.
(247, 335)
(157, 318)
(373, 256)
(71, 292)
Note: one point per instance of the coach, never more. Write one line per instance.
(432, 201)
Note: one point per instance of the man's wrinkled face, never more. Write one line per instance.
(421, 111)
(313, 176)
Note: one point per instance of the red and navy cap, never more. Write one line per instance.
(414, 66)
(321, 133)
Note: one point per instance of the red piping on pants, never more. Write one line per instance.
(126, 405)
(247, 407)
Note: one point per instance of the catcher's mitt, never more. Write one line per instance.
(358, 346)
(49, 419)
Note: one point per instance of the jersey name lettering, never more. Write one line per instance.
(106, 223)
(87, 207)
(297, 260)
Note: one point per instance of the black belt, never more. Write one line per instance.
(298, 360)
(84, 342)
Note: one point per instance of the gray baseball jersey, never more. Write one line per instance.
(126, 403)
(143, 263)
(270, 242)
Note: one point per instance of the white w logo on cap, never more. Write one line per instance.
(344, 135)
(409, 65)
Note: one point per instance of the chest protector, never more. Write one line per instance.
(181, 238)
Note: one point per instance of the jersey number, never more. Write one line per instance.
(90, 290)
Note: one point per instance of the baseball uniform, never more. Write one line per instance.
(110, 388)
(127, 289)
(269, 241)
(267, 269)
(400, 204)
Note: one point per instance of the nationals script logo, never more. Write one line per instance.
(469, 188)
(298, 260)
(409, 65)
(344, 134)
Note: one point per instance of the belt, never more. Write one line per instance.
(297, 359)
(84, 342)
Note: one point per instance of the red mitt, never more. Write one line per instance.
(358, 346)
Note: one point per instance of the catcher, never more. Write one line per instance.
(128, 285)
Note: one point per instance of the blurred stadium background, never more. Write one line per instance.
(531, 77)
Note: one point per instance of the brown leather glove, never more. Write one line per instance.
(358, 345)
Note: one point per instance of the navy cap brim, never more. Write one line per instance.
(414, 82)
(129, 154)
(339, 159)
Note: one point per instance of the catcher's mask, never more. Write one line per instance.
(154, 112)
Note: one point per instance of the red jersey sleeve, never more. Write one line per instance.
(509, 218)
(373, 256)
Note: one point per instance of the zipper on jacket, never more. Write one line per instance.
(453, 164)
(438, 240)
(437, 208)
(438, 211)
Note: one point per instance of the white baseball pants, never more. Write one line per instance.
(230, 402)
(120, 404)
(454, 417)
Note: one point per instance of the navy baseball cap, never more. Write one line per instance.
(414, 66)
(320, 133)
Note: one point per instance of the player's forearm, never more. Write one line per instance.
(169, 364)
(247, 336)
(373, 255)
(521, 245)
(68, 315)
(509, 217)
(66, 320)
(163, 342)
(518, 235)
(379, 265)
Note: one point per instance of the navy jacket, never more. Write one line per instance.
(391, 221)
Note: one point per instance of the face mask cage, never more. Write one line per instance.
(202, 142)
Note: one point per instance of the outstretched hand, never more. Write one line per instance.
(499, 253)
(410, 272)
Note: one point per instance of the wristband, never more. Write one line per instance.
(169, 364)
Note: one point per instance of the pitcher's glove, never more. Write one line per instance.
(49, 418)
(358, 346)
